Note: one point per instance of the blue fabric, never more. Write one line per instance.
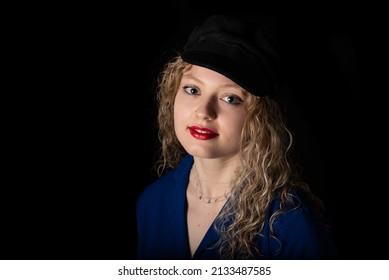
(162, 226)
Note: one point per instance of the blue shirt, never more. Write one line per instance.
(163, 234)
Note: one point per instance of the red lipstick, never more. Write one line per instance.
(202, 133)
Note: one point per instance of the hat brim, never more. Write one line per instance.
(248, 76)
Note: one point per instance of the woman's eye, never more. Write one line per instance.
(231, 99)
(190, 90)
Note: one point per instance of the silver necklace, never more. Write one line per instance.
(204, 198)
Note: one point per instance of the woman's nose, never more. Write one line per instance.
(206, 109)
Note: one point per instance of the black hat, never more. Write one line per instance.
(237, 49)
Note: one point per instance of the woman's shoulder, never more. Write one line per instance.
(299, 214)
(300, 226)
(296, 199)
(298, 208)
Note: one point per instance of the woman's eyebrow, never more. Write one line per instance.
(227, 85)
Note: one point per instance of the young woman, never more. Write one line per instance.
(227, 187)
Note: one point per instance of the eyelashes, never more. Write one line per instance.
(232, 99)
(191, 90)
(229, 98)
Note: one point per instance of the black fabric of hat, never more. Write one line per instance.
(237, 49)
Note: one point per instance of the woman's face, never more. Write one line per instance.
(209, 113)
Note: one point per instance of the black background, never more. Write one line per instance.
(79, 120)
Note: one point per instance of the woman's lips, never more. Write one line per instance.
(202, 133)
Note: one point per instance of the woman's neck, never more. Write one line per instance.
(213, 179)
